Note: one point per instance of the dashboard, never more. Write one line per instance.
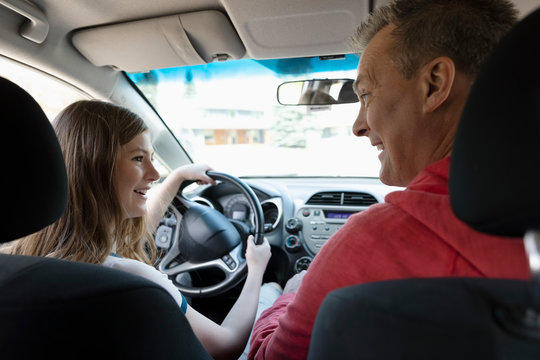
(300, 214)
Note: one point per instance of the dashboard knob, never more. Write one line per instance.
(302, 264)
(293, 225)
(292, 243)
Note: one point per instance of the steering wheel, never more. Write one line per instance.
(206, 239)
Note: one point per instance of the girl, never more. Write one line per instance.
(110, 213)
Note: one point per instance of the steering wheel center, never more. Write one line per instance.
(206, 234)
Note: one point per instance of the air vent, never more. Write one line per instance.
(342, 198)
(358, 199)
(325, 198)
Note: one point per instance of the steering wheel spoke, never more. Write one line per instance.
(229, 263)
(233, 265)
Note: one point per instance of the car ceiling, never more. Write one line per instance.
(265, 28)
(259, 29)
(253, 21)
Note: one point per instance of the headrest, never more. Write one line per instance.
(35, 191)
(495, 168)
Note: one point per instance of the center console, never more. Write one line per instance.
(311, 228)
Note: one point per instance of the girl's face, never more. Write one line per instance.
(134, 175)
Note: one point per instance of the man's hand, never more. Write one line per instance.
(294, 283)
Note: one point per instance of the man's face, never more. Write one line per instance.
(391, 113)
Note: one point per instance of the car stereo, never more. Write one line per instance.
(313, 227)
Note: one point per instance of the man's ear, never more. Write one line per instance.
(438, 79)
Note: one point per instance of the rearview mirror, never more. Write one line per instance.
(317, 92)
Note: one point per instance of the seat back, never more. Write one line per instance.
(494, 177)
(56, 309)
(494, 173)
(35, 174)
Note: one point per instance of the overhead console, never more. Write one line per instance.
(176, 40)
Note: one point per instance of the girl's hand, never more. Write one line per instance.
(196, 172)
(257, 256)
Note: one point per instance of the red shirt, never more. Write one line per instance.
(413, 234)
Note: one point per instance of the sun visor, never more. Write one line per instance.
(175, 40)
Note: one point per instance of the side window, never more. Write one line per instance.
(51, 94)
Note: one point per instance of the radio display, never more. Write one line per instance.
(338, 215)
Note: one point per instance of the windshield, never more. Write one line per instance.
(226, 114)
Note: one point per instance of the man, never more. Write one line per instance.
(419, 60)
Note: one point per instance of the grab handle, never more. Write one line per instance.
(36, 28)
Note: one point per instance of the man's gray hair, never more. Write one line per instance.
(464, 30)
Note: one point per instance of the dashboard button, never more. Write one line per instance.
(228, 260)
(163, 236)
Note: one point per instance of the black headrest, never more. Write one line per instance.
(495, 167)
(35, 191)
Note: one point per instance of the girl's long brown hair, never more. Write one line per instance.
(91, 133)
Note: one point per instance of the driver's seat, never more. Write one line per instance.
(62, 310)
(494, 188)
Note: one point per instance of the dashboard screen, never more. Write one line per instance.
(239, 215)
(337, 215)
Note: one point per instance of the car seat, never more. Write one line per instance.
(54, 309)
(494, 188)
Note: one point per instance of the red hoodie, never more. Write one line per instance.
(413, 234)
